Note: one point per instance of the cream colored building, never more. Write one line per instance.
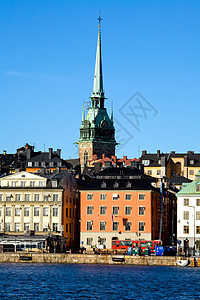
(30, 202)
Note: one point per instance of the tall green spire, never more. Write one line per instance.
(98, 94)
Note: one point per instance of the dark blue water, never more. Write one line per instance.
(59, 281)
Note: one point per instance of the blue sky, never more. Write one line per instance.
(47, 64)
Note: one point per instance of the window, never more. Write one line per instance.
(14, 183)
(26, 211)
(149, 172)
(115, 196)
(43, 164)
(89, 196)
(54, 183)
(198, 229)
(41, 183)
(29, 163)
(128, 197)
(36, 226)
(46, 198)
(115, 226)
(128, 210)
(27, 197)
(158, 172)
(128, 226)
(186, 202)
(0, 211)
(70, 212)
(89, 241)
(191, 172)
(36, 197)
(51, 164)
(32, 183)
(198, 215)
(66, 212)
(17, 212)
(7, 226)
(8, 211)
(9, 198)
(115, 210)
(141, 210)
(59, 164)
(17, 197)
(145, 162)
(36, 211)
(1, 197)
(67, 227)
(45, 211)
(186, 215)
(55, 227)
(23, 183)
(26, 226)
(17, 226)
(186, 229)
(89, 210)
(89, 225)
(141, 226)
(55, 211)
(141, 196)
(55, 197)
(102, 225)
(36, 164)
(85, 157)
(70, 228)
(198, 202)
(102, 210)
(103, 196)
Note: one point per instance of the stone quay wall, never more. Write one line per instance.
(92, 259)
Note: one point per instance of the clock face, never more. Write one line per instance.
(104, 123)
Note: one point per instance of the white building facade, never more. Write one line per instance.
(28, 203)
(188, 213)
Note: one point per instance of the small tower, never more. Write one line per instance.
(97, 133)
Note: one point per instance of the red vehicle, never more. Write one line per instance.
(142, 244)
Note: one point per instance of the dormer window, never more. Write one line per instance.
(36, 164)
(116, 185)
(51, 164)
(43, 163)
(191, 161)
(29, 163)
(145, 162)
(103, 185)
(59, 164)
(54, 183)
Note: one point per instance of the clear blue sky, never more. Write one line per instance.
(47, 64)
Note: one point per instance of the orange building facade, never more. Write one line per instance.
(118, 214)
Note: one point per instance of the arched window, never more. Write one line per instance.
(85, 157)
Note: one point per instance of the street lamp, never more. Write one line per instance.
(194, 223)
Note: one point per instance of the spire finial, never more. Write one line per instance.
(100, 19)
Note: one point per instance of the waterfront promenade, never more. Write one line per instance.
(92, 259)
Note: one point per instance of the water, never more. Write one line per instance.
(66, 281)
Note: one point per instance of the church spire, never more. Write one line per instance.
(98, 94)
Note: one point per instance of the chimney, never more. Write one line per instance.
(158, 153)
(185, 161)
(4, 152)
(50, 153)
(28, 153)
(125, 158)
(58, 152)
(144, 152)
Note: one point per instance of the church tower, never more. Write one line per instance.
(97, 132)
